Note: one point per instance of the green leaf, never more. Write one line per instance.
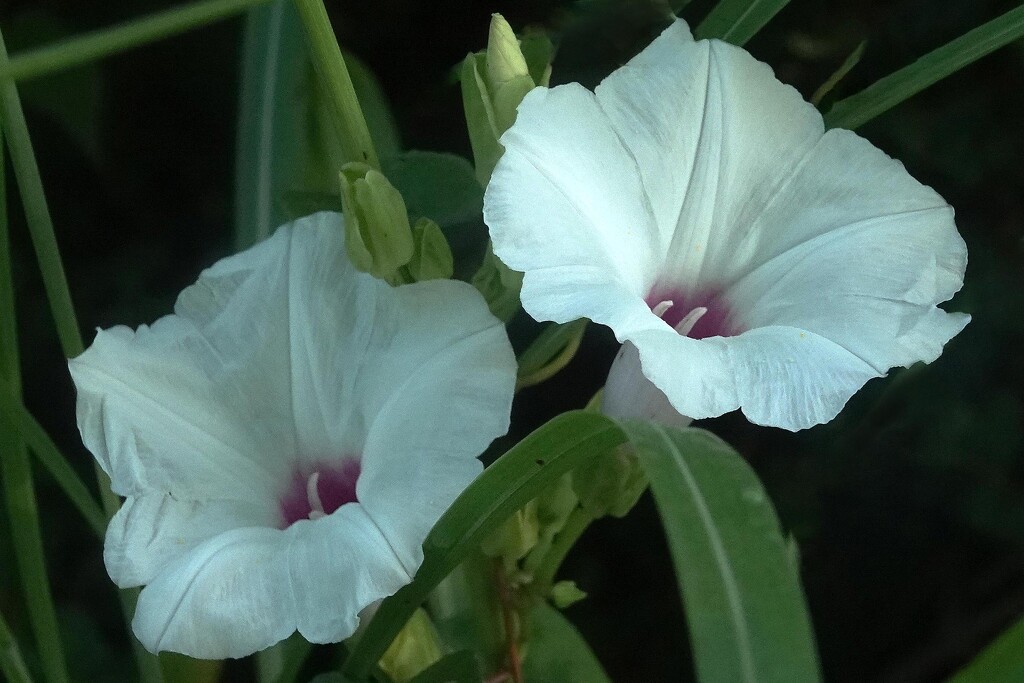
(457, 667)
(436, 185)
(856, 110)
(556, 652)
(12, 664)
(517, 477)
(274, 63)
(746, 612)
(1000, 662)
(737, 21)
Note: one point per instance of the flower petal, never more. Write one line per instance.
(440, 391)
(231, 596)
(154, 529)
(339, 565)
(565, 204)
(862, 256)
(714, 135)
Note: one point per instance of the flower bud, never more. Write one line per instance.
(377, 232)
(611, 484)
(515, 537)
(493, 85)
(414, 648)
(431, 257)
(629, 394)
(566, 593)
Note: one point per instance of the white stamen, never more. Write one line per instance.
(316, 508)
(660, 309)
(689, 320)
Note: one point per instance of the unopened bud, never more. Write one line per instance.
(377, 232)
(611, 484)
(414, 649)
(513, 539)
(566, 593)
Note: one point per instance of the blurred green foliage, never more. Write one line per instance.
(909, 508)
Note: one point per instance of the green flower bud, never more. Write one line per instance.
(566, 593)
(432, 257)
(500, 286)
(515, 537)
(493, 85)
(612, 484)
(377, 231)
(505, 61)
(414, 649)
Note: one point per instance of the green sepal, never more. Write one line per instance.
(538, 51)
(480, 119)
(499, 284)
(431, 257)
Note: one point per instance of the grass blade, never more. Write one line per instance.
(1000, 662)
(12, 665)
(856, 110)
(737, 21)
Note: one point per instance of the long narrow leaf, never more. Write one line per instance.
(737, 21)
(856, 110)
(744, 606)
(513, 480)
(274, 64)
(1000, 662)
(12, 664)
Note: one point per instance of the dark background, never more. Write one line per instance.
(909, 508)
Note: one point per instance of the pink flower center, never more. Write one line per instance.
(701, 314)
(318, 489)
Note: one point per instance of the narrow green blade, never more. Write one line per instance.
(273, 63)
(737, 21)
(509, 483)
(747, 617)
(856, 110)
(1000, 662)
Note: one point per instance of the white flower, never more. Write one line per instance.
(286, 440)
(695, 205)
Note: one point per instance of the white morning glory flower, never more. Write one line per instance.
(696, 206)
(286, 439)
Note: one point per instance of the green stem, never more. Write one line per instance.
(37, 213)
(40, 443)
(575, 525)
(12, 665)
(16, 472)
(96, 45)
(40, 226)
(325, 52)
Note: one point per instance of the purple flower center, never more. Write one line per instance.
(700, 314)
(318, 489)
